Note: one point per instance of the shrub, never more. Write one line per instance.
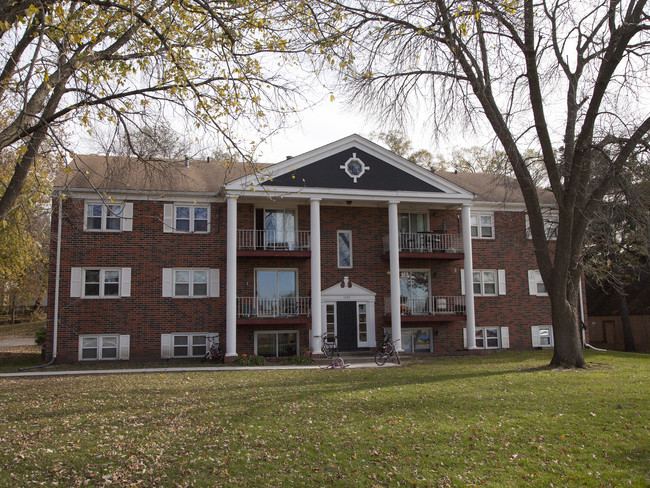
(245, 360)
(40, 336)
(302, 359)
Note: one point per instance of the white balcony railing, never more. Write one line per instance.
(433, 305)
(427, 242)
(255, 307)
(294, 240)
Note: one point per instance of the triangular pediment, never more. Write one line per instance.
(348, 289)
(352, 166)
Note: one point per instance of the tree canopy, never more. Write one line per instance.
(567, 79)
(112, 62)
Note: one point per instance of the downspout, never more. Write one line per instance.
(56, 292)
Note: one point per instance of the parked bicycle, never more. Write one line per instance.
(387, 351)
(329, 346)
(215, 353)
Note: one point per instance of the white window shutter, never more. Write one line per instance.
(464, 338)
(165, 346)
(125, 346)
(462, 281)
(168, 217)
(532, 285)
(505, 338)
(75, 282)
(214, 282)
(502, 281)
(125, 286)
(127, 217)
(534, 334)
(167, 282)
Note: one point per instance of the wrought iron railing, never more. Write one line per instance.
(256, 307)
(430, 242)
(433, 305)
(294, 240)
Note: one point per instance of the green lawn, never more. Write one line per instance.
(23, 329)
(499, 420)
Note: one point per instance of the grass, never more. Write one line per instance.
(499, 420)
(23, 329)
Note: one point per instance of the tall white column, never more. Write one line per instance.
(469, 277)
(316, 312)
(231, 277)
(393, 250)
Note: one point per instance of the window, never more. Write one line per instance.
(344, 248)
(100, 282)
(190, 282)
(550, 226)
(536, 284)
(108, 217)
(417, 340)
(542, 336)
(186, 344)
(482, 226)
(187, 218)
(277, 292)
(276, 343)
(414, 291)
(487, 337)
(362, 320)
(486, 282)
(276, 228)
(330, 320)
(490, 337)
(103, 347)
(413, 222)
(189, 345)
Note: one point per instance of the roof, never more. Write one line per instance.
(161, 175)
(495, 188)
(116, 173)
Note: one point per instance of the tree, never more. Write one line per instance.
(541, 75)
(111, 62)
(24, 235)
(401, 145)
(617, 249)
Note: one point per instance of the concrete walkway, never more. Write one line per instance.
(206, 369)
(7, 343)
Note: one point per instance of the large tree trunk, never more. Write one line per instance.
(566, 331)
(628, 338)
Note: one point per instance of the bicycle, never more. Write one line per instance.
(387, 351)
(328, 347)
(215, 353)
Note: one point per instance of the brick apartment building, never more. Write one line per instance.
(348, 239)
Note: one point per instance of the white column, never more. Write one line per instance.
(393, 250)
(231, 277)
(469, 278)
(316, 312)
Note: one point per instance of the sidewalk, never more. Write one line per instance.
(7, 343)
(206, 369)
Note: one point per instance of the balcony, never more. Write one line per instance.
(262, 310)
(428, 245)
(439, 308)
(273, 243)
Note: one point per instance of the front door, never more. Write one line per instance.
(346, 325)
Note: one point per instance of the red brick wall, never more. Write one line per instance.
(146, 250)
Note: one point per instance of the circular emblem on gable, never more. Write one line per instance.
(354, 167)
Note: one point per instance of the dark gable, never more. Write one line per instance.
(327, 173)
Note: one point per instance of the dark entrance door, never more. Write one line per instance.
(346, 325)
